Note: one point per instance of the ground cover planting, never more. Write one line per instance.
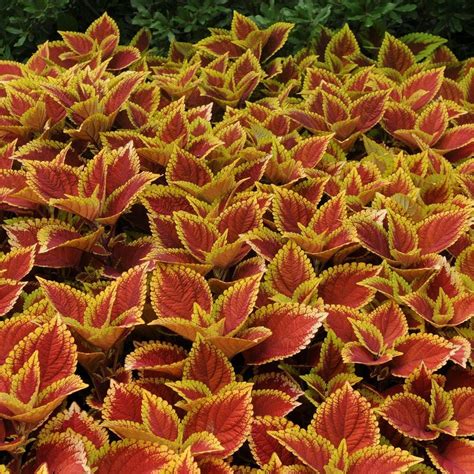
(226, 260)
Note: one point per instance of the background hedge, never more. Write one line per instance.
(26, 23)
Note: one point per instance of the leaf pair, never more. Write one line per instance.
(343, 437)
(37, 372)
(101, 319)
(182, 300)
(217, 425)
(405, 242)
(100, 191)
(425, 418)
(320, 232)
(14, 266)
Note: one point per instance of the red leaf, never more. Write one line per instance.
(60, 452)
(310, 151)
(123, 402)
(372, 235)
(308, 446)
(463, 404)
(369, 109)
(394, 54)
(157, 356)
(79, 422)
(343, 43)
(346, 415)
(389, 319)
(103, 28)
(53, 181)
(123, 457)
(456, 456)
(236, 303)
(434, 120)
(80, 43)
(209, 365)
(123, 57)
(290, 209)
(422, 87)
(456, 137)
(240, 218)
(272, 403)
(409, 414)
(441, 230)
(277, 381)
(340, 284)
(381, 459)
(242, 26)
(292, 325)
(67, 301)
(263, 444)
(338, 321)
(122, 91)
(10, 290)
(278, 34)
(185, 167)
(288, 270)
(56, 350)
(13, 330)
(196, 234)
(434, 351)
(226, 415)
(174, 290)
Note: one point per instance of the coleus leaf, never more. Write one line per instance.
(346, 415)
(434, 351)
(309, 447)
(394, 54)
(288, 270)
(227, 415)
(103, 319)
(102, 190)
(263, 444)
(175, 290)
(441, 230)
(290, 209)
(123, 456)
(441, 411)
(133, 412)
(462, 400)
(455, 455)
(183, 464)
(420, 88)
(272, 402)
(278, 317)
(17, 263)
(44, 362)
(209, 365)
(236, 303)
(59, 244)
(340, 284)
(57, 362)
(59, 452)
(10, 291)
(409, 414)
(80, 423)
(342, 44)
(384, 458)
(157, 356)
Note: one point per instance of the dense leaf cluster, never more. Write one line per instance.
(25, 23)
(225, 260)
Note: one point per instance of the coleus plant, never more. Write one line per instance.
(225, 261)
